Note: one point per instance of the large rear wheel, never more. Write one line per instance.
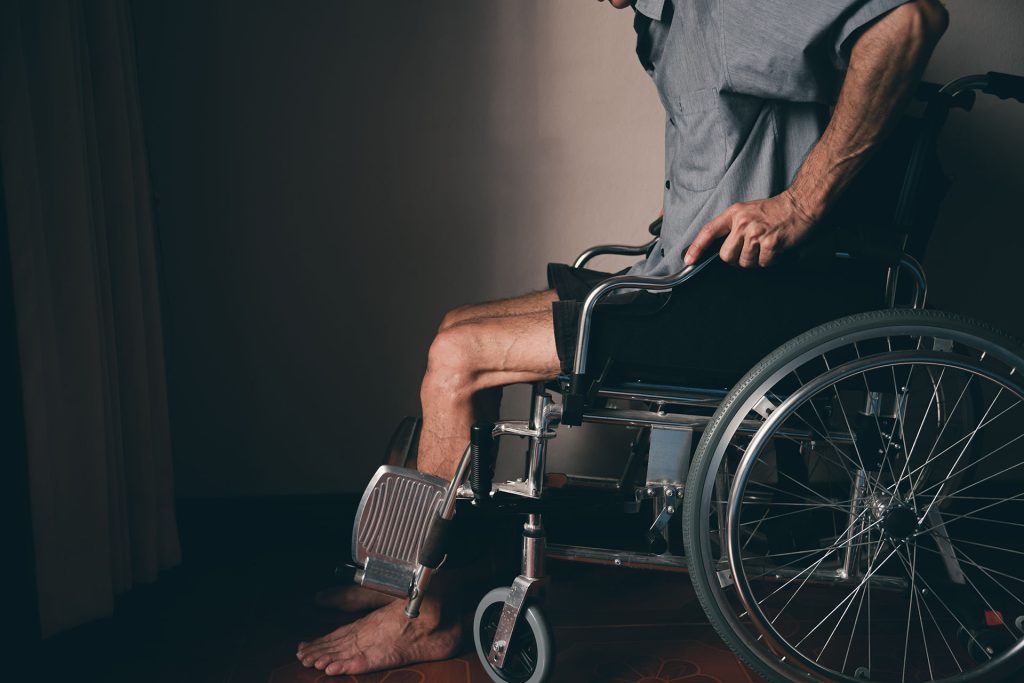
(846, 512)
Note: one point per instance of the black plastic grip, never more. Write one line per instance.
(435, 545)
(655, 227)
(481, 448)
(574, 400)
(1005, 86)
(878, 248)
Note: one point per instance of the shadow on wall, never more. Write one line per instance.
(333, 176)
(317, 170)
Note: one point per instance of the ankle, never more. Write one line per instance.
(434, 615)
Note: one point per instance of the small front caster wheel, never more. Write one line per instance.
(531, 654)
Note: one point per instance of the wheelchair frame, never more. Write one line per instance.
(671, 433)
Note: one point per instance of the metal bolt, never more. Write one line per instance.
(670, 492)
(618, 562)
(670, 510)
(650, 492)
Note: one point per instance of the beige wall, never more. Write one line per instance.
(334, 176)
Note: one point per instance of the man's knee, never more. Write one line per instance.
(449, 363)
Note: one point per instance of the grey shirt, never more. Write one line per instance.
(747, 87)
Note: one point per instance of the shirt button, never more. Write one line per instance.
(668, 184)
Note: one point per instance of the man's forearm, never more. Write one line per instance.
(885, 65)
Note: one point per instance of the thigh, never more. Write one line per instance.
(527, 304)
(500, 350)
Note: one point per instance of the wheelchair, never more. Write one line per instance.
(850, 511)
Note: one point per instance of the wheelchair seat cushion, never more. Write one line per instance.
(712, 328)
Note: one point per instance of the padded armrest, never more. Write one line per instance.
(871, 246)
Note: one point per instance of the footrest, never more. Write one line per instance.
(391, 523)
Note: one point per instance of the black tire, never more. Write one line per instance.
(531, 656)
(699, 539)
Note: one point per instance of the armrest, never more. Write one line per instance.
(621, 249)
(574, 400)
(617, 249)
(625, 282)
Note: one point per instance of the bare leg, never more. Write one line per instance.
(473, 356)
(477, 350)
(536, 302)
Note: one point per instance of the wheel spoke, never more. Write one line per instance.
(910, 609)
(882, 438)
(971, 515)
(849, 596)
(942, 602)
(810, 569)
(853, 631)
(961, 439)
(983, 458)
(961, 455)
(924, 416)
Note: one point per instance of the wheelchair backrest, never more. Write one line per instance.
(901, 188)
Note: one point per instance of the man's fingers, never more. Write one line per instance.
(718, 227)
(767, 250)
(732, 247)
(750, 253)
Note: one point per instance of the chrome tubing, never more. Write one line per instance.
(613, 249)
(447, 511)
(916, 270)
(965, 84)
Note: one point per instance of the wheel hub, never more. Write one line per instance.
(899, 522)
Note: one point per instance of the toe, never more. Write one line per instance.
(334, 668)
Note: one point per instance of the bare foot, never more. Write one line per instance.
(351, 598)
(384, 639)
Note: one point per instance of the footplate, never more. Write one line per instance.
(391, 523)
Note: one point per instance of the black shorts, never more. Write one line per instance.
(711, 329)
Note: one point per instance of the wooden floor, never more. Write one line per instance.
(611, 626)
(242, 600)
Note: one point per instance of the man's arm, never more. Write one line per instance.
(885, 65)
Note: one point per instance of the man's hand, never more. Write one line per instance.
(755, 232)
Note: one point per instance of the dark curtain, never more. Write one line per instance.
(86, 303)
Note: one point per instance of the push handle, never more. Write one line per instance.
(1005, 86)
(655, 227)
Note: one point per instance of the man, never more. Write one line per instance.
(752, 158)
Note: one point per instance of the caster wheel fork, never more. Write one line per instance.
(530, 652)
